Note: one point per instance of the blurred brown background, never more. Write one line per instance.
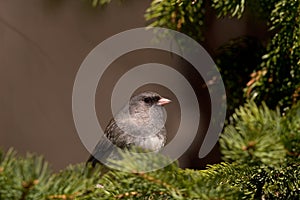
(42, 44)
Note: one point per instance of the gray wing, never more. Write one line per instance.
(120, 137)
(113, 135)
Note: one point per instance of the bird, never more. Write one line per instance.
(141, 123)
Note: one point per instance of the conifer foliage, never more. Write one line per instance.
(261, 161)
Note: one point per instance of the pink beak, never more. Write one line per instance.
(163, 101)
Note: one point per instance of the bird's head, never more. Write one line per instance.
(147, 106)
(147, 109)
(147, 99)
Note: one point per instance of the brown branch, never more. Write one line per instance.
(127, 194)
(27, 186)
(156, 181)
(64, 196)
(135, 194)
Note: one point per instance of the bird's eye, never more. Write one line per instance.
(156, 99)
(147, 100)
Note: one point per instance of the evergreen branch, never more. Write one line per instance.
(128, 194)
(257, 131)
(233, 8)
(64, 196)
(96, 3)
(247, 138)
(183, 16)
(158, 181)
(279, 83)
(27, 187)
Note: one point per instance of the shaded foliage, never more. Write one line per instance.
(260, 149)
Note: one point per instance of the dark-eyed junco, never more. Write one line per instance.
(140, 124)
